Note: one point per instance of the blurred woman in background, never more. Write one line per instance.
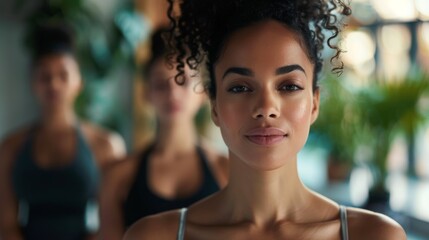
(264, 58)
(177, 169)
(50, 170)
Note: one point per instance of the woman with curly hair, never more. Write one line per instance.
(177, 169)
(263, 59)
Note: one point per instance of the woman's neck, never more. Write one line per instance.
(57, 121)
(265, 197)
(176, 137)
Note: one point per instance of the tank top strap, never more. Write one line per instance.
(140, 181)
(344, 227)
(83, 144)
(84, 156)
(32, 131)
(205, 161)
(31, 135)
(25, 154)
(144, 157)
(182, 224)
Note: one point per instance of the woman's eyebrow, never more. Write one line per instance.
(238, 70)
(290, 68)
(249, 73)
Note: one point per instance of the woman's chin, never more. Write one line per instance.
(267, 166)
(264, 162)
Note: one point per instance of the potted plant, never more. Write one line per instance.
(336, 127)
(386, 109)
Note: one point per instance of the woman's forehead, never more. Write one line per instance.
(57, 60)
(267, 44)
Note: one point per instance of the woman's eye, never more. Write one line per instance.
(239, 89)
(290, 88)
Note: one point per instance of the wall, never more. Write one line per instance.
(17, 105)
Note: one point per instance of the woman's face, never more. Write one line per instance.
(57, 81)
(265, 102)
(171, 101)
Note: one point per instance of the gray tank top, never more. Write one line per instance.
(343, 219)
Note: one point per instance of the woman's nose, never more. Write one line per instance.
(266, 106)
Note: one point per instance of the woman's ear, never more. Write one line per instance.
(79, 88)
(214, 114)
(316, 105)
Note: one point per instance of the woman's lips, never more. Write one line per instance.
(266, 136)
(173, 108)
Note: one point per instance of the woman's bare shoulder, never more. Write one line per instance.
(118, 176)
(107, 146)
(163, 226)
(123, 168)
(13, 141)
(363, 224)
(17, 136)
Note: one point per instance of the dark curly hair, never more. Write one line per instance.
(158, 49)
(201, 30)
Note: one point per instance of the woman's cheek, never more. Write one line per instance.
(299, 113)
(299, 119)
(298, 108)
(231, 116)
(231, 112)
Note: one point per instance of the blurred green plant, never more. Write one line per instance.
(371, 116)
(336, 126)
(388, 108)
(101, 43)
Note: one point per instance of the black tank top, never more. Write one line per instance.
(141, 201)
(55, 199)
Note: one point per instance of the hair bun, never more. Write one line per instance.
(51, 39)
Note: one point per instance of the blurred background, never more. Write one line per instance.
(369, 147)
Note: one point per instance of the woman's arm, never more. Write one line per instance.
(109, 151)
(116, 182)
(9, 226)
